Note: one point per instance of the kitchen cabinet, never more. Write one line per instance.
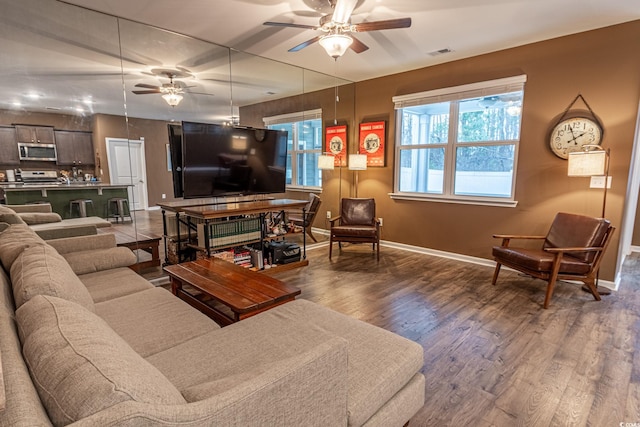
(8, 147)
(37, 134)
(74, 148)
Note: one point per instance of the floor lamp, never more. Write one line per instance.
(357, 162)
(592, 161)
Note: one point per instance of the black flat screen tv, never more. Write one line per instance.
(229, 160)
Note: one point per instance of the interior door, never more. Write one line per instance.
(127, 166)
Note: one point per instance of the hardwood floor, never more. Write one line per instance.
(493, 356)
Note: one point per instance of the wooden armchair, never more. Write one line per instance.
(571, 250)
(357, 223)
(295, 217)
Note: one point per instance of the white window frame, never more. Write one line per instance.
(449, 94)
(291, 118)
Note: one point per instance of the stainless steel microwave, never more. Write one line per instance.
(42, 152)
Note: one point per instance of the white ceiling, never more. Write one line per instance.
(467, 27)
(71, 57)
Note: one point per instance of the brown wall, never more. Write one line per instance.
(155, 136)
(597, 64)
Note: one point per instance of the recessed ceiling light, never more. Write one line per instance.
(33, 95)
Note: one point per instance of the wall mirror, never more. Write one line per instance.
(76, 70)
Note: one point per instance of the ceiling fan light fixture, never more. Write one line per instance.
(172, 99)
(336, 44)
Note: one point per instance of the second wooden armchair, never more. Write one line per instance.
(357, 223)
(571, 250)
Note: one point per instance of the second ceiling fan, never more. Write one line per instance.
(337, 29)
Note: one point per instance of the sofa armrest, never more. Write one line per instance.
(100, 260)
(309, 389)
(83, 243)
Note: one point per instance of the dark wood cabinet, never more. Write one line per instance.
(74, 148)
(8, 147)
(35, 134)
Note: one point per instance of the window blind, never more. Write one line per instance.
(472, 90)
(293, 117)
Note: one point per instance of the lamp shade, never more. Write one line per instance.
(325, 162)
(357, 162)
(336, 44)
(587, 163)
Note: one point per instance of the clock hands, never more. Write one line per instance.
(574, 137)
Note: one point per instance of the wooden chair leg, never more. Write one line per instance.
(330, 246)
(311, 234)
(591, 285)
(552, 279)
(495, 273)
(377, 245)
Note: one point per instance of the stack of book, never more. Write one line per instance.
(229, 233)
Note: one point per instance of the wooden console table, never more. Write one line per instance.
(226, 292)
(215, 211)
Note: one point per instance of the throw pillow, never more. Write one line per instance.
(80, 366)
(40, 270)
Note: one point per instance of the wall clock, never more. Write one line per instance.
(572, 134)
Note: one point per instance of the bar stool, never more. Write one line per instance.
(118, 208)
(81, 205)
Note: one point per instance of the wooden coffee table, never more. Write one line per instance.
(226, 292)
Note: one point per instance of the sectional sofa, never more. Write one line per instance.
(84, 340)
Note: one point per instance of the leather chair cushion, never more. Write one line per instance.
(354, 231)
(538, 260)
(358, 212)
(570, 230)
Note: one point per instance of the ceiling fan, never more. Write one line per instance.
(172, 92)
(338, 30)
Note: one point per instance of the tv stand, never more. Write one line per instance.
(219, 213)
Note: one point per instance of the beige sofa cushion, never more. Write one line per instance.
(40, 270)
(100, 260)
(14, 240)
(80, 366)
(32, 218)
(114, 283)
(154, 320)
(11, 218)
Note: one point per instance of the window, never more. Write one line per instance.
(460, 143)
(303, 147)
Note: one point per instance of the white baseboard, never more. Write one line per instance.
(470, 259)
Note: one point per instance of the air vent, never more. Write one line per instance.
(440, 51)
(53, 108)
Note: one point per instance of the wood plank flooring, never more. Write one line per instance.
(493, 356)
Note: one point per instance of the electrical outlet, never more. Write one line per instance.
(164, 196)
(598, 182)
(380, 219)
(328, 214)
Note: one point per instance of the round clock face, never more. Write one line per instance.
(571, 134)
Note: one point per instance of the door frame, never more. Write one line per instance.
(112, 163)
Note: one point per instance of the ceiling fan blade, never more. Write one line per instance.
(147, 86)
(286, 24)
(304, 44)
(343, 10)
(383, 25)
(357, 46)
(145, 92)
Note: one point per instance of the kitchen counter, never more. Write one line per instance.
(59, 195)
